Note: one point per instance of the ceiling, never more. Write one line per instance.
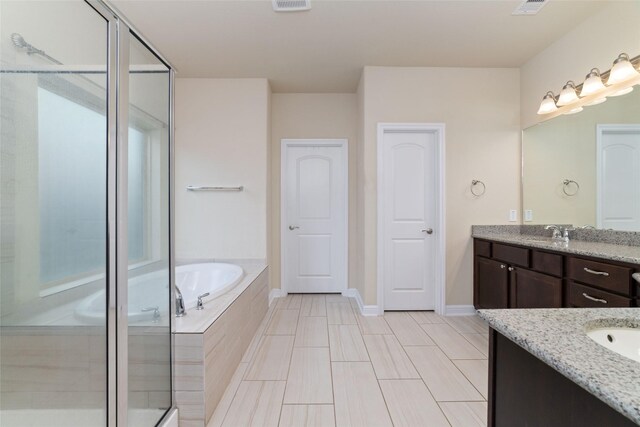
(324, 49)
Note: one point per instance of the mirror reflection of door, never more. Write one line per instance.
(618, 177)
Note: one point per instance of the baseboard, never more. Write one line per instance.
(460, 310)
(365, 310)
(276, 293)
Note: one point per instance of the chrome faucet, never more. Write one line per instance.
(557, 233)
(180, 310)
(560, 234)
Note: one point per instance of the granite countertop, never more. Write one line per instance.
(558, 338)
(608, 251)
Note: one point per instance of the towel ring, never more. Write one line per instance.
(473, 188)
(566, 184)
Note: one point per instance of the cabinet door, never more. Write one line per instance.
(492, 284)
(535, 290)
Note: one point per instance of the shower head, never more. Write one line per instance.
(19, 42)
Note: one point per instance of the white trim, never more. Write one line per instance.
(600, 131)
(276, 293)
(440, 235)
(460, 310)
(365, 310)
(343, 144)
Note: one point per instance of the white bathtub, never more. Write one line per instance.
(150, 290)
(213, 277)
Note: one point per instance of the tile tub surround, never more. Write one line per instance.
(517, 235)
(558, 338)
(210, 344)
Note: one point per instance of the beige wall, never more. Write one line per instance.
(303, 115)
(594, 43)
(222, 139)
(480, 109)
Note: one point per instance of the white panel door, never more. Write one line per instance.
(409, 209)
(619, 177)
(314, 224)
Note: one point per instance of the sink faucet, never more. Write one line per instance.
(557, 233)
(560, 234)
(180, 310)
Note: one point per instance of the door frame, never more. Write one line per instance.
(440, 236)
(600, 131)
(285, 144)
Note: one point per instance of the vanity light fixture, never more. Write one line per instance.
(620, 80)
(568, 94)
(622, 70)
(548, 104)
(593, 84)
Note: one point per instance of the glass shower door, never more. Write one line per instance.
(53, 216)
(85, 259)
(149, 384)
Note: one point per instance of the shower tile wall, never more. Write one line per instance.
(58, 368)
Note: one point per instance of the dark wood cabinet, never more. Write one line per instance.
(524, 391)
(511, 276)
(530, 289)
(495, 277)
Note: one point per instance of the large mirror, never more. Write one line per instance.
(584, 168)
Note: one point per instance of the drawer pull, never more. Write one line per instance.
(598, 273)
(587, 296)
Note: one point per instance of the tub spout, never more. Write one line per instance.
(180, 310)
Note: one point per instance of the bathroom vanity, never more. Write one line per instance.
(513, 269)
(544, 370)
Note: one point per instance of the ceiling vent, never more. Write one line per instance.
(291, 5)
(529, 7)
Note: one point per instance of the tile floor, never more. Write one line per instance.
(315, 361)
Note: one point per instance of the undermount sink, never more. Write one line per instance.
(624, 341)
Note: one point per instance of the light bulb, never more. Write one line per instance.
(575, 110)
(548, 104)
(622, 70)
(592, 84)
(622, 92)
(568, 94)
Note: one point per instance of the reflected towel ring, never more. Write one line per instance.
(473, 188)
(565, 185)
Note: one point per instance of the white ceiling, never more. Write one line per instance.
(324, 50)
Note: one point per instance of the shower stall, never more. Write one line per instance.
(86, 261)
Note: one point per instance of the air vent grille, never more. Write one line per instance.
(291, 5)
(530, 7)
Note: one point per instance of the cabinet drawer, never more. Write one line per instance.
(545, 262)
(586, 296)
(482, 248)
(606, 276)
(511, 254)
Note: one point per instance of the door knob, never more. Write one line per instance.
(428, 231)
(293, 227)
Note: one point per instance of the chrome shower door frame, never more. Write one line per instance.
(118, 66)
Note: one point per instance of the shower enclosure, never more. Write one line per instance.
(85, 219)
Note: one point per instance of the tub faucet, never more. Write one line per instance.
(180, 310)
